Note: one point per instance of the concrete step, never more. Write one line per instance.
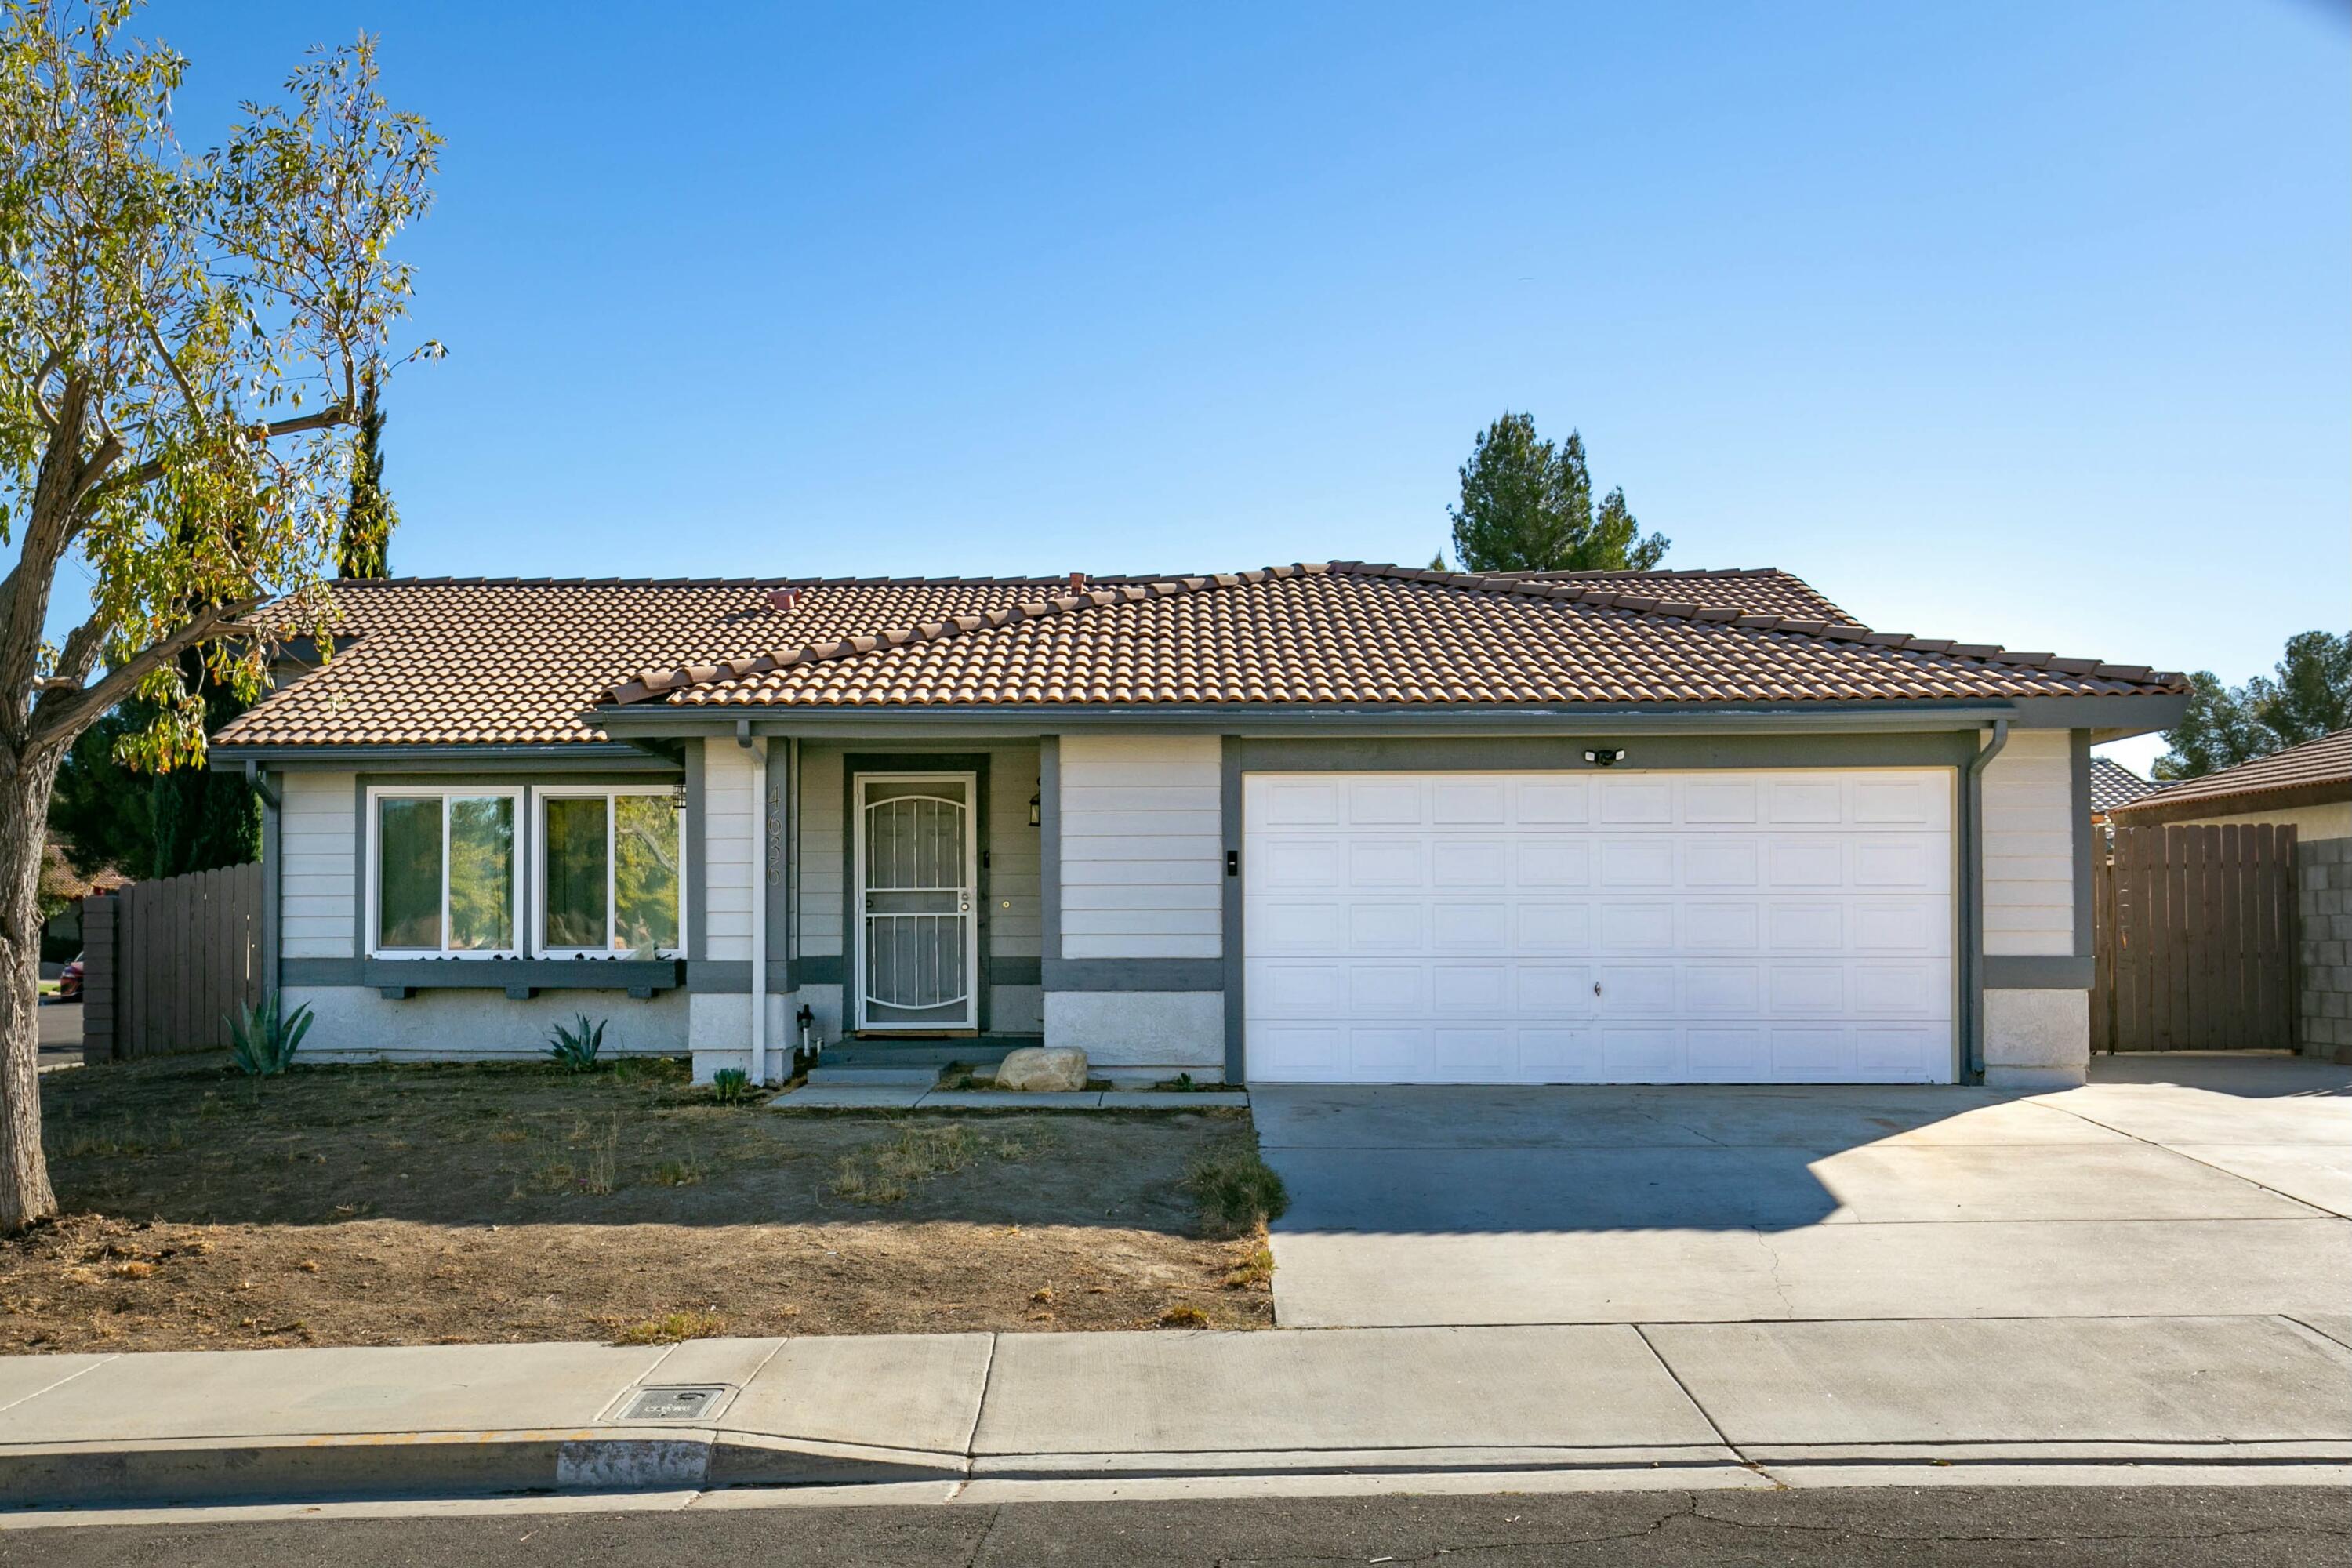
(846, 1077)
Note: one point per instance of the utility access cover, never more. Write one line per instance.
(687, 1404)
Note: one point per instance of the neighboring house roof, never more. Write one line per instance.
(2315, 771)
(2112, 785)
(459, 662)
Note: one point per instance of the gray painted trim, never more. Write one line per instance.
(723, 976)
(273, 876)
(1134, 974)
(698, 853)
(488, 973)
(364, 874)
(1049, 846)
(616, 756)
(930, 725)
(1229, 794)
(2038, 972)
(1003, 971)
(1643, 752)
(2079, 770)
(821, 969)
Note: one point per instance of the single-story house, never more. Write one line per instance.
(1332, 823)
(2113, 784)
(2308, 787)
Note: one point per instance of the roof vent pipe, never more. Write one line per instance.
(1078, 581)
(781, 599)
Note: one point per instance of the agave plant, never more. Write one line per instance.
(730, 1086)
(576, 1046)
(263, 1036)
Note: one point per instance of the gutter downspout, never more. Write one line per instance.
(273, 873)
(1972, 987)
(758, 747)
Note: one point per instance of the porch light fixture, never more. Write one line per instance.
(1036, 808)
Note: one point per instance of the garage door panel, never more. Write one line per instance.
(1739, 928)
(1475, 803)
(1386, 863)
(1386, 803)
(1551, 863)
(1482, 863)
(1460, 926)
(1542, 802)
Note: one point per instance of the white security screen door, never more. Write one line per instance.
(917, 935)
(1791, 926)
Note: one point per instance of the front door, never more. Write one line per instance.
(917, 889)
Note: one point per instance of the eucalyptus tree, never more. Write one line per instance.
(183, 341)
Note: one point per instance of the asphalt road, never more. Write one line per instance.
(1979, 1527)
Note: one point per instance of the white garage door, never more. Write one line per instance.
(1783, 927)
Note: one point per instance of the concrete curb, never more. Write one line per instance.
(448, 1465)
(442, 1464)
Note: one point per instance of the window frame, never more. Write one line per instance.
(445, 793)
(540, 795)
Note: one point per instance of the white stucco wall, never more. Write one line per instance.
(2036, 1039)
(1142, 848)
(1141, 1035)
(358, 1022)
(318, 846)
(2030, 845)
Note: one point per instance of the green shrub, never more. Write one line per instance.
(574, 1046)
(1235, 1191)
(730, 1086)
(264, 1038)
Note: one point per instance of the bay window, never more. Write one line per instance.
(612, 872)
(444, 873)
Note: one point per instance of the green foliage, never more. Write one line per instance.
(2308, 695)
(263, 1037)
(1236, 1190)
(730, 1086)
(574, 1046)
(102, 813)
(1526, 506)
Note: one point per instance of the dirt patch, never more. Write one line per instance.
(429, 1204)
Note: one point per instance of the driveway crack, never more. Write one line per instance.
(1772, 1257)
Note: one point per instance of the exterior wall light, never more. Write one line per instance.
(1036, 808)
(1606, 757)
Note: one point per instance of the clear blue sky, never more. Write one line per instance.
(2021, 323)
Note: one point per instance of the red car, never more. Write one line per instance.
(69, 980)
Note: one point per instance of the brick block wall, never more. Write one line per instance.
(2323, 900)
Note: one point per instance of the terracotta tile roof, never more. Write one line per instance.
(491, 661)
(2114, 785)
(516, 661)
(2310, 766)
(1353, 634)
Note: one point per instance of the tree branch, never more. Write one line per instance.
(55, 721)
(154, 468)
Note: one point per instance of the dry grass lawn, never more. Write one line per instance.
(435, 1205)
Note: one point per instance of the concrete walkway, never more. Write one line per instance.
(2182, 1185)
(1678, 1405)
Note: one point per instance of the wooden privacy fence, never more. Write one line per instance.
(164, 963)
(2195, 940)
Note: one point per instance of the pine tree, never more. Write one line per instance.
(1526, 506)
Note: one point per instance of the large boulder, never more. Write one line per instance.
(1046, 1069)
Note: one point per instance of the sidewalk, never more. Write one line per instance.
(1680, 1405)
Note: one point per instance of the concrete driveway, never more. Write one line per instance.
(2173, 1187)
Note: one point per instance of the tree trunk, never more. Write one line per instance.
(25, 1192)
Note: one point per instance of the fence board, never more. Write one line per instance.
(2194, 930)
(180, 956)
